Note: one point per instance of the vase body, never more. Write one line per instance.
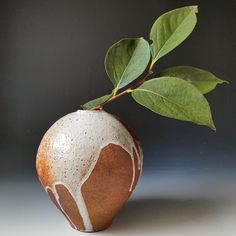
(89, 163)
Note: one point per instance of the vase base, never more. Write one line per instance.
(93, 231)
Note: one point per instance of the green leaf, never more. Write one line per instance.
(126, 60)
(93, 103)
(171, 29)
(175, 98)
(203, 80)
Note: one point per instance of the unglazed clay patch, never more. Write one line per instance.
(74, 144)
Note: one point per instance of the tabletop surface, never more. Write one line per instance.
(164, 203)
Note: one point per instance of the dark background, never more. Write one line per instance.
(51, 61)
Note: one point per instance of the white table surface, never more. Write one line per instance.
(164, 203)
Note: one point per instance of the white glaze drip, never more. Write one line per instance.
(83, 211)
(133, 177)
(140, 158)
(74, 151)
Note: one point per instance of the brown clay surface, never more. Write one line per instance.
(137, 171)
(69, 206)
(107, 188)
(53, 199)
(42, 165)
(137, 145)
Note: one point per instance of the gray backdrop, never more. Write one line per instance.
(51, 61)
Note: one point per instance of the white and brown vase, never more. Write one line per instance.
(89, 163)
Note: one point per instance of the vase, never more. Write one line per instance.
(89, 163)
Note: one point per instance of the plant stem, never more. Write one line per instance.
(128, 90)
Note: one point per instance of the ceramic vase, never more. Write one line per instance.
(89, 163)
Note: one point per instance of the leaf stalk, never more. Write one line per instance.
(128, 90)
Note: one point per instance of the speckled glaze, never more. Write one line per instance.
(68, 154)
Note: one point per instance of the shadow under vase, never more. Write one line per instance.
(143, 215)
